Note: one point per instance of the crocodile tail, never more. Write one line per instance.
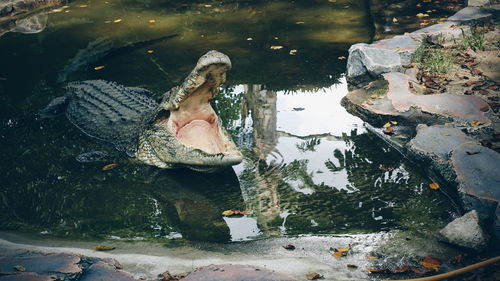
(56, 107)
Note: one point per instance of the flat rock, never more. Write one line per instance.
(26, 276)
(41, 263)
(470, 14)
(461, 108)
(465, 232)
(230, 272)
(437, 142)
(365, 60)
(101, 271)
(478, 3)
(477, 169)
(403, 45)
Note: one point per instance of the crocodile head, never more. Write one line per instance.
(186, 131)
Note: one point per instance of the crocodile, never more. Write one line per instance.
(181, 130)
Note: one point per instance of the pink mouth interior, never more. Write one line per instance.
(195, 123)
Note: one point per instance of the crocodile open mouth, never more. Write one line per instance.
(195, 124)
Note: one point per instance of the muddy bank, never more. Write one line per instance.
(433, 95)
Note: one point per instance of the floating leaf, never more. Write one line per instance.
(314, 276)
(289, 247)
(103, 248)
(293, 52)
(387, 125)
(341, 58)
(394, 20)
(150, 51)
(83, 6)
(249, 39)
(422, 15)
(401, 269)
(117, 20)
(276, 47)
(431, 263)
(109, 167)
(19, 268)
(299, 22)
(151, 21)
(434, 185)
(99, 67)
(394, 122)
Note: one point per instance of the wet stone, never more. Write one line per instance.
(470, 14)
(103, 271)
(465, 232)
(41, 263)
(230, 272)
(437, 142)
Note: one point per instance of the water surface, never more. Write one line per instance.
(310, 167)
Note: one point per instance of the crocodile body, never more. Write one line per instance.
(180, 131)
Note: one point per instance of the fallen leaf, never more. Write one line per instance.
(387, 125)
(385, 168)
(369, 102)
(103, 248)
(314, 276)
(397, 50)
(401, 269)
(434, 185)
(422, 15)
(228, 213)
(420, 271)
(352, 266)
(117, 20)
(150, 51)
(476, 123)
(233, 212)
(431, 263)
(249, 39)
(276, 47)
(374, 96)
(151, 21)
(109, 167)
(388, 131)
(19, 268)
(341, 252)
(341, 58)
(99, 67)
(475, 71)
(445, 134)
(292, 52)
(289, 247)
(371, 258)
(493, 87)
(377, 270)
(299, 22)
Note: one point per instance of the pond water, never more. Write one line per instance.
(310, 167)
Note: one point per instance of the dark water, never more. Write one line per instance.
(309, 168)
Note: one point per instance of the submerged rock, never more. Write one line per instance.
(465, 232)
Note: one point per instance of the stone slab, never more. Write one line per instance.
(437, 142)
(461, 108)
(403, 45)
(368, 60)
(41, 263)
(230, 272)
(470, 14)
(477, 168)
(101, 271)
